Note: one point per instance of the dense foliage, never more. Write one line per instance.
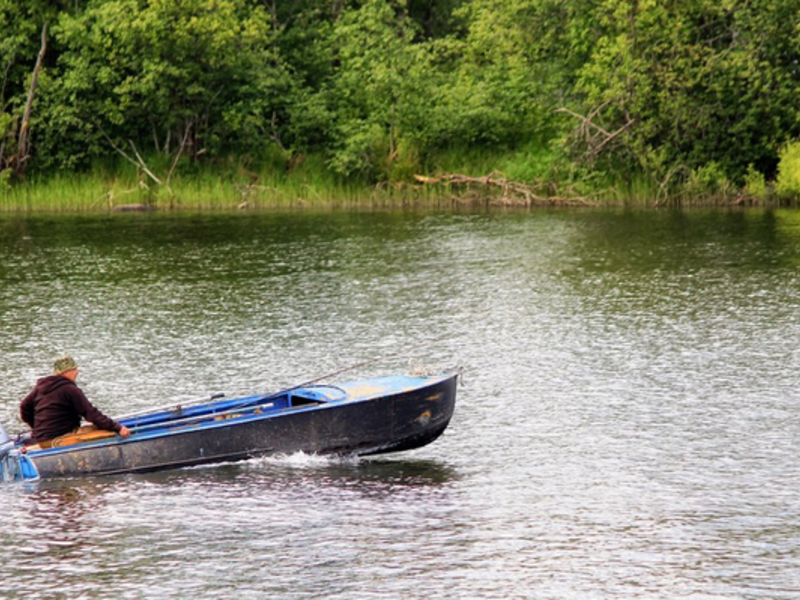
(674, 92)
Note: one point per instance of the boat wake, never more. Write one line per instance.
(296, 460)
(302, 460)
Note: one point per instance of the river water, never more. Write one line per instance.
(627, 426)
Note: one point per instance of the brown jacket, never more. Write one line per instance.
(55, 407)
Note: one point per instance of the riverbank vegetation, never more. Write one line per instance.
(247, 102)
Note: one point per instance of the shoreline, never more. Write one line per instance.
(92, 193)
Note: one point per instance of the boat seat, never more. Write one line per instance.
(87, 433)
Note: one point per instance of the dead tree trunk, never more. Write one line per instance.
(23, 142)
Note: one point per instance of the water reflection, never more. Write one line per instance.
(283, 471)
(59, 519)
(55, 536)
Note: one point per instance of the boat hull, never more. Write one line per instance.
(363, 424)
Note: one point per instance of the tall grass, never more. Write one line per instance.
(63, 192)
(308, 182)
(223, 186)
(209, 188)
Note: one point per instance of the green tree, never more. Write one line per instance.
(510, 72)
(672, 86)
(193, 77)
(379, 90)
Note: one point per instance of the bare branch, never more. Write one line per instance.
(601, 137)
(587, 121)
(138, 163)
(180, 151)
(142, 164)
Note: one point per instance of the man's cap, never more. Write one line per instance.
(63, 364)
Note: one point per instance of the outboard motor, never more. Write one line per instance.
(14, 465)
(6, 443)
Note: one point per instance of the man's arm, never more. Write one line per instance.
(27, 408)
(94, 415)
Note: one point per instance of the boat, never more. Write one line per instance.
(356, 418)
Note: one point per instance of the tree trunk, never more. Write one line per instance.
(23, 142)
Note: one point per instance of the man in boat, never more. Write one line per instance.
(56, 405)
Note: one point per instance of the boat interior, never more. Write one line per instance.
(180, 417)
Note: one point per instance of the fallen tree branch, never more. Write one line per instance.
(511, 192)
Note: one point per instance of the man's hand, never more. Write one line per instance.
(125, 432)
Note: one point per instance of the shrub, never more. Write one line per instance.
(787, 183)
(755, 185)
(709, 181)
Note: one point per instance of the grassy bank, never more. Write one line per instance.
(122, 187)
(524, 177)
(204, 190)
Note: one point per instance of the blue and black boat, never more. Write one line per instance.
(360, 418)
